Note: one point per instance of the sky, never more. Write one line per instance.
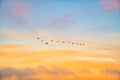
(93, 23)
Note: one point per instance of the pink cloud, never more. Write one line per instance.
(65, 20)
(18, 10)
(110, 5)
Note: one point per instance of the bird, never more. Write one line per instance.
(61, 42)
(41, 40)
(68, 42)
(46, 42)
(83, 44)
(51, 40)
(38, 38)
(76, 43)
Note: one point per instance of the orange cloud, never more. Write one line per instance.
(10, 46)
(23, 56)
(34, 73)
(112, 47)
(112, 72)
(58, 64)
(57, 73)
(16, 74)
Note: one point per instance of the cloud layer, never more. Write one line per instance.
(57, 73)
(33, 73)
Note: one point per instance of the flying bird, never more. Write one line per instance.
(83, 44)
(76, 43)
(68, 42)
(41, 40)
(51, 40)
(38, 38)
(46, 42)
(60, 41)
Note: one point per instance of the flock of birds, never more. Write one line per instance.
(72, 43)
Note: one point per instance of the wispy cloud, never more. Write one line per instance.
(11, 46)
(110, 5)
(65, 20)
(13, 34)
(18, 10)
(85, 71)
(113, 48)
(73, 58)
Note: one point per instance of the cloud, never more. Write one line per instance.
(85, 71)
(65, 20)
(16, 10)
(93, 59)
(31, 73)
(74, 58)
(19, 10)
(55, 71)
(110, 47)
(21, 74)
(15, 34)
(110, 5)
(113, 72)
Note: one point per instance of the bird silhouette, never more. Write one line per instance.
(38, 38)
(51, 40)
(68, 42)
(41, 40)
(76, 43)
(46, 42)
(59, 41)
